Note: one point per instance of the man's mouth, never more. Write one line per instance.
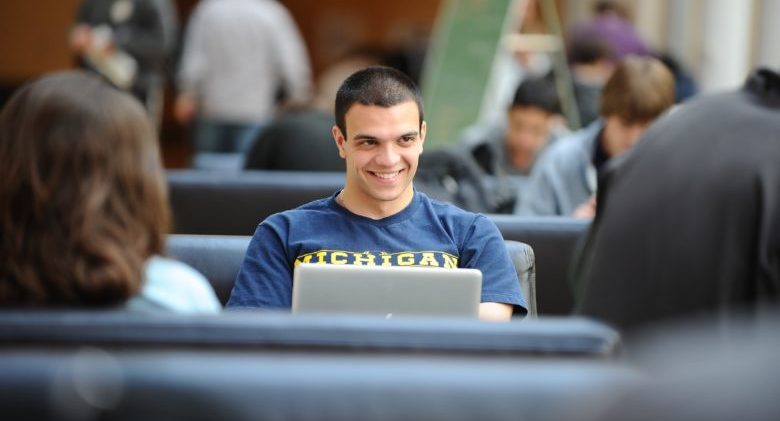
(384, 175)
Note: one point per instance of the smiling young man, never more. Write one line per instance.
(378, 218)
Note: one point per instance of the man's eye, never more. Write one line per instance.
(407, 139)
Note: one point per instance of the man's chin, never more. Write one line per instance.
(388, 195)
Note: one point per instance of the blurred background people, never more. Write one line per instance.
(507, 150)
(127, 42)
(511, 147)
(591, 63)
(564, 180)
(689, 222)
(611, 23)
(594, 47)
(239, 58)
(684, 84)
(83, 203)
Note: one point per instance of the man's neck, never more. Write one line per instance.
(368, 207)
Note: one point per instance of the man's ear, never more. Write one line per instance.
(340, 140)
(423, 130)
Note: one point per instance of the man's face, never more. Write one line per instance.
(526, 133)
(382, 148)
(620, 136)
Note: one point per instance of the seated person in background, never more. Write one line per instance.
(508, 151)
(512, 148)
(689, 221)
(563, 181)
(591, 62)
(83, 203)
(379, 132)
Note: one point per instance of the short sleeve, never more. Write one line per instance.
(484, 249)
(265, 277)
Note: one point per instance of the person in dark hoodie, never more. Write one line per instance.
(688, 223)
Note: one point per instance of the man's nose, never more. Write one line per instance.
(388, 154)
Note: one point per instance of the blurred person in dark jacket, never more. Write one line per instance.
(689, 221)
(564, 180)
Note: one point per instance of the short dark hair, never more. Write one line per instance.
(375, 85)
(589, 49)
(602, 7)
(83, 199)
(538, 93)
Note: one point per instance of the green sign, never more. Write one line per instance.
(460, 63)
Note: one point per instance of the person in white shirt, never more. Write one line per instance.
(238, 55)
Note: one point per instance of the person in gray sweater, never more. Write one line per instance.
(564, 179)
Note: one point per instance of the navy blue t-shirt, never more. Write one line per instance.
(425, 233)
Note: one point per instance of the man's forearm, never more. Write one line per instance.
(495, 312)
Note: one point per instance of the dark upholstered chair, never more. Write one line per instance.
(555, 242)
(218, 257)
(233, 204)
(298, 140)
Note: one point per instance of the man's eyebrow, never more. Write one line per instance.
(362, 136)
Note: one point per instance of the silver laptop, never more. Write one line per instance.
(387, 291)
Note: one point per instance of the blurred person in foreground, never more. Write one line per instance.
(377, 218)
(238, 56)
(564, 180)
(83, 203)
(689, 221)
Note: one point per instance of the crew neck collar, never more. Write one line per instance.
(404, 214)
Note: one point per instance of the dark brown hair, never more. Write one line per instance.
(375, 85)
(639, 90)
(83, 202)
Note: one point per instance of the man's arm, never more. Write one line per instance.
(484, 249)
(495, 312)
(265, 277)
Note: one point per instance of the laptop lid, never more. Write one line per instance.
(388, 291)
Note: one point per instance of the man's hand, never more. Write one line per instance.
(587, 209)
(495, 312)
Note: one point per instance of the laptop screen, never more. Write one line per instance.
(388, 291)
